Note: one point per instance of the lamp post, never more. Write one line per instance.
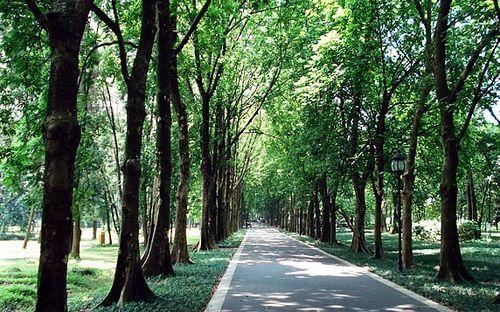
(398, 167)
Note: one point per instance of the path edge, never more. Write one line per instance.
(414, 295)
(218, 298)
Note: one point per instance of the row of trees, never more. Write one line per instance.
(421, 76)
(101, 80)
(292, 108)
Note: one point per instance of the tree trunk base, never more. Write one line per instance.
(181, 257)
(133, 288)
(359, 245)
(195, 248)
(206, 244)
(456, 275)
(378, 253)
(156, 266)
(336, 243)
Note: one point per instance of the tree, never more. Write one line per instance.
(451, 266)
(158, 258)
(65, 24)
(129, 283)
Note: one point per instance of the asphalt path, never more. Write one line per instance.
(273, 272)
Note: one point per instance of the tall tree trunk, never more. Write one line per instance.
(216, 170)
(180, 252)
(129, 283)
(379, 184)
(358, 243)
(94, 230)
(451, 265)
(116, 148)
(471, 196)
(223, 169)
(77, 233)
(207, 200)
(317, 229)
(485, 193)
(157, 261)
(359, 180)
(227, 198)
(333, 236)
(310, 218)
(108, 225)
(144, 211)
(409, 178)
(61, 134)
(325, 198)
(28, 226)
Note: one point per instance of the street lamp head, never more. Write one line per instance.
(398, 163)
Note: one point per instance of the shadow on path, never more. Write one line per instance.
(277, 273)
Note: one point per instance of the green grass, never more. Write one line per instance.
(189, 290)
(481, 257)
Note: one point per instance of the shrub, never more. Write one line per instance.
(428, 230)
(468, 230)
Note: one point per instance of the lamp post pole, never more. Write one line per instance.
(400, 258)
(398, 167)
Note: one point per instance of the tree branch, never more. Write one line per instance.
(39, 16)
(472, 61)
(193, 26)
(115, 28)
(478, 94)
(87, 57)
(264, 98)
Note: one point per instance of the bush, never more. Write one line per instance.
(468, 230)
(428, 230)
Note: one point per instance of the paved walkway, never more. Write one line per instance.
(272, 272)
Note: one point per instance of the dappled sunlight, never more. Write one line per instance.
(104, 265)
(429, 251)
(320, 269)
(277, 273)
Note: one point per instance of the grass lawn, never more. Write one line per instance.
(189, 290)
(481, 257)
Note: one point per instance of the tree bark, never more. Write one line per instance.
(207, 200)
(358, 243)
(108, 225)
(129, 283)
(451, 265)
(77, 233)
(146, 231)
(379, 184)
(408, 185)
(28, 226)
(471, 196)
(310, 218)
(65, 24)
(317, 229)
(333, 236)
(180, 254)
(325, 198)
(409, 175)
(116, 149)
(157, 261)
(94, 230)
